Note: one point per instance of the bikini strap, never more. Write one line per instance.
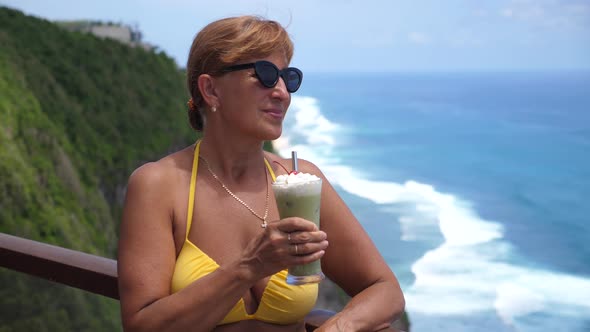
(272, 174)
(191, 195)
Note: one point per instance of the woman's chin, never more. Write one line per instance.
(271, 133)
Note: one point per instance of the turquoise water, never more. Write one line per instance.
(474, 186)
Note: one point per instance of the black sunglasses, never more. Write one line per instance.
(268, 74)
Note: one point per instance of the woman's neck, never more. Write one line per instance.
(233, 158)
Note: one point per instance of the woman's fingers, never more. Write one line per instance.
(289, 225)
(305, 237)
(288, 242)
(294, 231)
(299, 243)
(302, 249)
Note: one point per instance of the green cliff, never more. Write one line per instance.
(77, 115)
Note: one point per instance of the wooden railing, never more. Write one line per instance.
(88, 272)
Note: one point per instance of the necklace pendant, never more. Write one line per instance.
(264, 224)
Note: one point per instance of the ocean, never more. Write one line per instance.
(473, 186)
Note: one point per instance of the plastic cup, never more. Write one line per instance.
(301, 199)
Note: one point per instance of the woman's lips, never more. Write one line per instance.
(275, 113)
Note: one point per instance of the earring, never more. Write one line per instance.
(213, 109)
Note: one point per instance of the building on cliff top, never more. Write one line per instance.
(117, 31)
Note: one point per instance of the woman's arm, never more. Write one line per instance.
(147, 256)
(353, 262)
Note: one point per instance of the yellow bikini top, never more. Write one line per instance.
(280, 303)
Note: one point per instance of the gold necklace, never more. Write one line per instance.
(264, 223)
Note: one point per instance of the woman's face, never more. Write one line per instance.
(248, 107)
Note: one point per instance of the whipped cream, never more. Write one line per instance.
(295, 178)
(297, 184)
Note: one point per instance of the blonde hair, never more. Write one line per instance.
(225, 42)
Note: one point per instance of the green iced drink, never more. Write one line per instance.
(298, 195)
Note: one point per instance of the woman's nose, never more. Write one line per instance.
(280, 90)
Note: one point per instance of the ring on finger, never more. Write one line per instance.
(296, 250)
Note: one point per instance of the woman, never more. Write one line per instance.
(208, 264)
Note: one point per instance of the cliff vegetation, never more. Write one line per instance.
(77, 115)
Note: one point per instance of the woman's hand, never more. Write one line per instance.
(284, 243)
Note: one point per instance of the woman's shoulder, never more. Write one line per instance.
(163, 171)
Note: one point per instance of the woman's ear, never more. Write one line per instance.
(206, 85)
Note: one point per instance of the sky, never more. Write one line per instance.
(368, 35)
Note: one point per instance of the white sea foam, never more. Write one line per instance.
(309, 120)
(513, 300)
(472, 271)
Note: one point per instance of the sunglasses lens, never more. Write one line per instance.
(268, 74)
(292, 79)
